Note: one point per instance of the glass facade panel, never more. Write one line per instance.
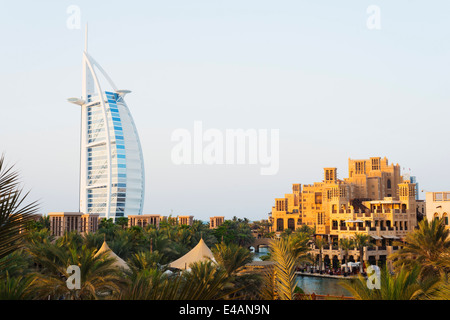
(121, 140)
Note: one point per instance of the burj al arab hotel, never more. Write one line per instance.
(111, 165)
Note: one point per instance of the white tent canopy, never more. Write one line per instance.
(200, 252)
(119, 263)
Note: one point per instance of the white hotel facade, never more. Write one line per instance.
(112, 179)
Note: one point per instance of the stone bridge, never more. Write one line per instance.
(259, 242)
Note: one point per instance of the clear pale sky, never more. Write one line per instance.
(312, 69)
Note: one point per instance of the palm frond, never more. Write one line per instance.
(284, 268)
(14, 214)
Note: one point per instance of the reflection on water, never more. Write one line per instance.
(322, 286)
(311, 284)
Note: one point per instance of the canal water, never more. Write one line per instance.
(317, 285)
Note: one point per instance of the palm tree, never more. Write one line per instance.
(14, 215)
(200, 230)
(158, 240)
(306, 229)
(346, 244)
(122, 222)
(300, 240)
(232, 258)
(149, 284)
(93, 239)
(123, 243)
(205, 281)
(39, 236)
(15, 279)
(319, 243)
(281, 281)
(145, 260)
(98, 275)
(361, 240)
(16, 288)
(404, 285)
(70, 239)
(427, 247)
(439, 290)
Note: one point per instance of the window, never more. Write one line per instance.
(389, 186)
(280, 225)
(291, 224)
(375, 164)
(438, 196)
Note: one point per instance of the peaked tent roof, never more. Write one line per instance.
(119, 261)
(200, 252)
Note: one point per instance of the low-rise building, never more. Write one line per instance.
(144, 220)
(186, 220)
(438, 206)
(61, 222)
(216, 221)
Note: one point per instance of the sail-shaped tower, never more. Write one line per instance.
(111, 162)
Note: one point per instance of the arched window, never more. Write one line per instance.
(445, 216)
(436, 215)
(280, 224)
(291, 224)
(389, 183)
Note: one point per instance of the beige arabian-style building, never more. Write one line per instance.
(155, 219)
(186, 220)
(375, 199)
(61, 222)
(216, 221)
(438, 206)
(144, 220)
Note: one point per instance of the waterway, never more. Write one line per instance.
(317, 285)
